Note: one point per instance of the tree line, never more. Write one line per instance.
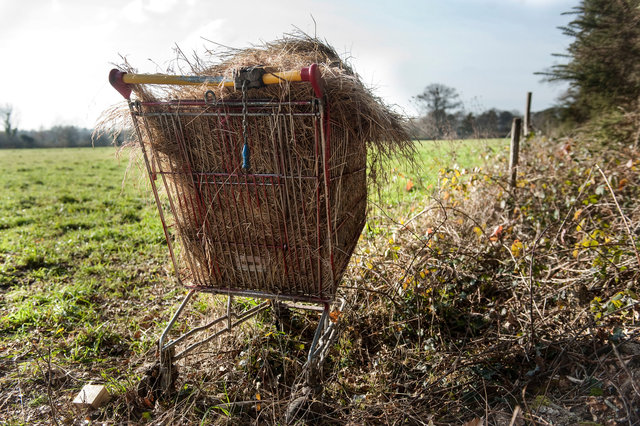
(602, 67)
(442, 116)
(54, 137)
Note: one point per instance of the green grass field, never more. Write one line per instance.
(84, 283)
(80, 253)
(410, 184)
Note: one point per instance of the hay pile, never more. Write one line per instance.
(258, 233)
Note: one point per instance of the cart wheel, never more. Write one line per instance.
(149, 381)
(168, 371)
(158, 380)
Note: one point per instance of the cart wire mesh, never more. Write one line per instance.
(257, 193)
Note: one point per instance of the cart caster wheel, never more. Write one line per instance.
(158, 380)
(168, 372)
(149, 385)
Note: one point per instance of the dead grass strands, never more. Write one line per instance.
(364, 131)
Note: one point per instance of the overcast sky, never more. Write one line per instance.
(56, 54)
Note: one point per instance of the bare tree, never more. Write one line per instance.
(6, 111)
(437, 102)
(8, 137)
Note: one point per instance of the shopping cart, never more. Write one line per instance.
(252, 190)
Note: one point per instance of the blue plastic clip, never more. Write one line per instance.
(245, 157)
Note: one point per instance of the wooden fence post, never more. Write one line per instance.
(514, 150)
(527, 116)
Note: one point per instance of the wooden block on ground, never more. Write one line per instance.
(91, 396)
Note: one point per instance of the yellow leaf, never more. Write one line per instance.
(478, 231)
(516, 248)
(577, 214)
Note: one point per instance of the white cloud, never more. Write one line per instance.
(545, 2)
(160, 6)
(55, 5)
(214, 30)
(138, 11)
(134, 12)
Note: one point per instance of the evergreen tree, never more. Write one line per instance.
(603, 67)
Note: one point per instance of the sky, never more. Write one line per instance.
(56, 54)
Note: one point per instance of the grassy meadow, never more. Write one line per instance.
(81, 258)
(85, 285)
(466, 298)
(407, 185)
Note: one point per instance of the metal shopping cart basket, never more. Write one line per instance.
(255, 195)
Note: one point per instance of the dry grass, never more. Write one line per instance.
(496, 298)
(361, 127)
(354, 108)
